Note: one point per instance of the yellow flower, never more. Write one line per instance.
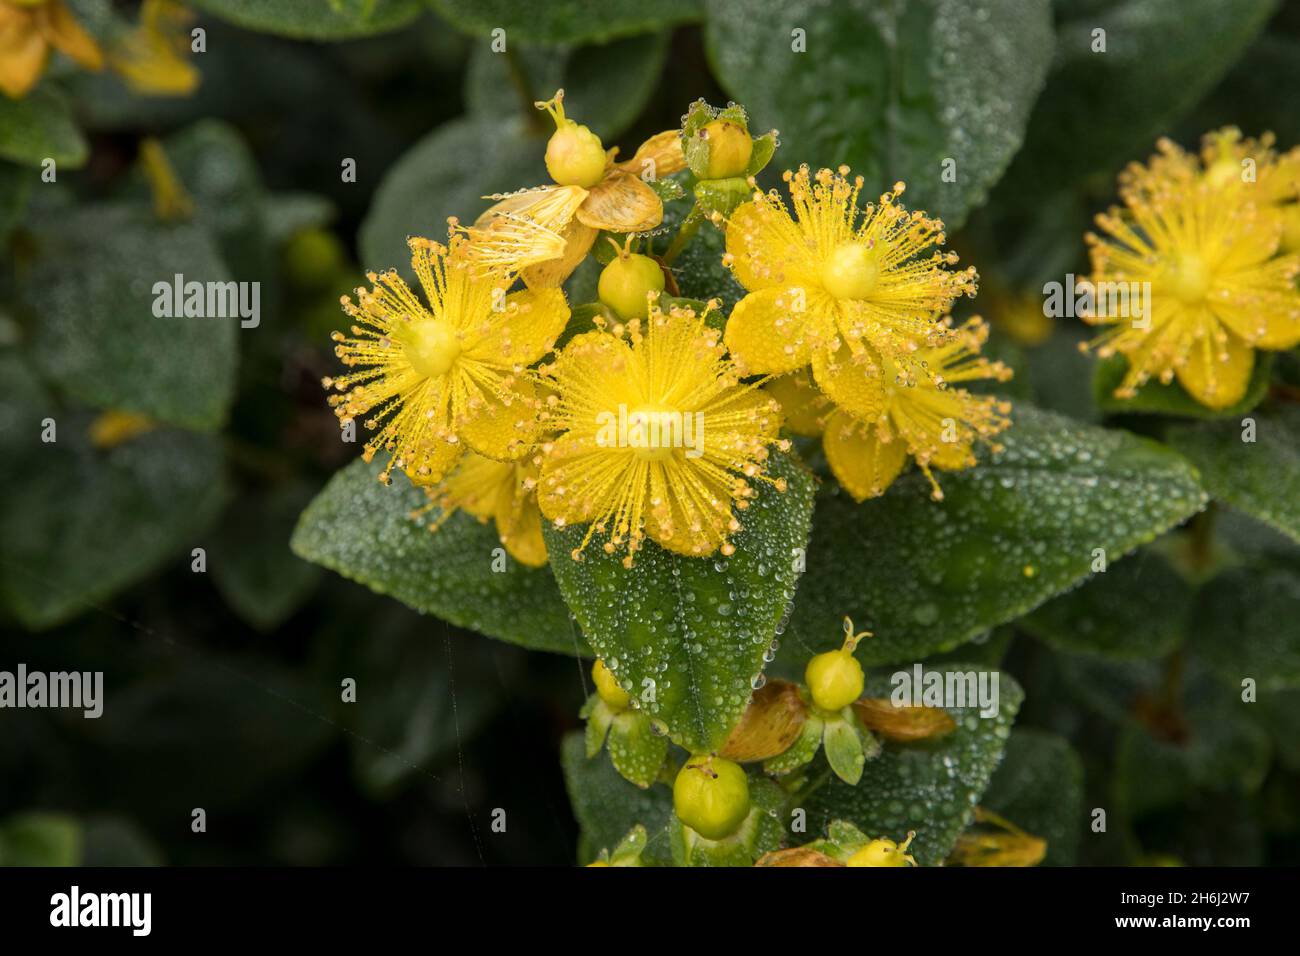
(1256, 166)
(28, 31)
(546, 232)
(1218, 289)
(453, 374)
(151, 58)
(115, 427)
(838, 287)
(930, 421)
(501, 491)
(659, 438)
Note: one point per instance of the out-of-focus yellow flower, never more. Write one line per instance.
(837, 287)
(929, 420)
(114, 427)
(29, 30)
(152, 56)
(1218, 288)
(1260, 170)
(500, 491)
(1019, 315)
(437, 378)
(546, 232)
(658, 437)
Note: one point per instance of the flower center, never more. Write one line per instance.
(850, 271)
(431, 348)
(653, 432)
(1189, 280)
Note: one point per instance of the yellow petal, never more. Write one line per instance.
(500, 421)
(767, 249)
(802, 405)
(661, 155)
(852, 380)
(621, 203)
(521, 334)
(22, 51)
(549, 206)
(769, 334)
(432, 461)
(862, 464)
(1217, 375)
(520, 527)
(578, 238)
(67, 36)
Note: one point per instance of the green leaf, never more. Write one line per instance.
(926, 576)
(931, 788)
(1137, 608)
(363, 530)
(15, 186)
(40, 839)
(1155, 398)
(39, 127)
(686, 637)
(1161, 57)
(1245, 626)
(569, 22)
(842, 741)
(96, 336)
(892, 89)
(605, 86)
(1262, 477)
(447, 174)
(636, 751)
(250, 561)
(77, 523)
(607, 806)
(1039, 788)
(314, 19)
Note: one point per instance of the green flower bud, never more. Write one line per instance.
(711, 796)
(574, 154)
(835, 678)
(729, 149)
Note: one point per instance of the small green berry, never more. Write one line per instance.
(835, 678)
(625, 282)
(711, 796)
(883, 852)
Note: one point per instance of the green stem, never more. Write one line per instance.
(685, 233)
(524, 87)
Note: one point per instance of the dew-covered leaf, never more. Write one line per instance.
(605, 86)
(448, 173)
(38, 127)
(1137, 607)
(97, 337)
(686, 637)
(315, 19)
(933, 92)
(607, 806)
(1245, 626)
(364, 531)
(571, 21)
(1039, 788)
(1023, 525)
(1261, 477)
(930, 787)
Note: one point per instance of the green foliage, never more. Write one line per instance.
(926, 576)
(893, 90)
(607, 806)
(364, 531)
(1244, 626)
(570, 22)
(686, 637)
(1039, 788)
(315, 19)
(38, 127)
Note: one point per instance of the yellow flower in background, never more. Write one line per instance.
(1254, 165)
(930, 421)
(116, 427)
(1218, 288)
(435, 379)
(658, 437)
(152, 57)
(28, 32)
(546, 232)
(500, 491)
(837, 287)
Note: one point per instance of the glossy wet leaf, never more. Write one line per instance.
(1262, 477)
(363, 530)
(929, 787)
(1039, 788)
(892, 89)
(97, 337)
(686, 637)
(1020, 527)
(1245, 626)
(567, 20)
(315, 19)
(607, 806)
